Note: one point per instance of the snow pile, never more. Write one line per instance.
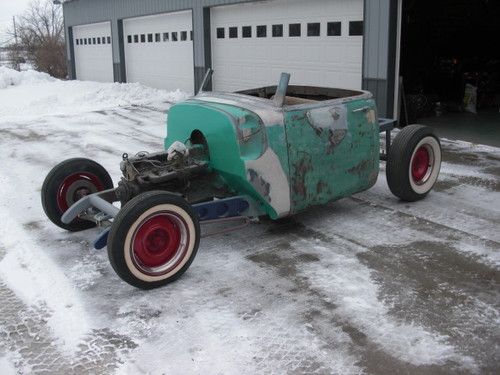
(124, 94)
(11, 77)
(31, 94)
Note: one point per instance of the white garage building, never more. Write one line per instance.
(170, 43)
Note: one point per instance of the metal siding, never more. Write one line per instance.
(379, 53)
(376, 55)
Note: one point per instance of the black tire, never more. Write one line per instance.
(413, 162)
(153, 239)
(66, 182)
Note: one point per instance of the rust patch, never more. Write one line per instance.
(320, 187)
(372, 179)
(334, 138)
(262, 186)
(302, 167)
(361, 167)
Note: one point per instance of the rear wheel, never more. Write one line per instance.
(68, 182)
(413, 162)
(153, 239)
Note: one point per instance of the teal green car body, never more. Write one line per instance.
(286, 158)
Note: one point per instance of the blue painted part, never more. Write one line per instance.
(102, 240)
(217, 209)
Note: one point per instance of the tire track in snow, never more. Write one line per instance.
(346, 294)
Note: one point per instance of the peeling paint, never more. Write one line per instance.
(302, 167)
(334, 138)
(261, 185)
(371, 116)
(270, 178)
(361, 167)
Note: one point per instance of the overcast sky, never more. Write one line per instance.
(9, 8)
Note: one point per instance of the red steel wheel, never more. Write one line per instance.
(68, 182)
(159, 243)
(413, 162)
(153, 239)
(75, 187)
(421, 164)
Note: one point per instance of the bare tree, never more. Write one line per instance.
(40, 32)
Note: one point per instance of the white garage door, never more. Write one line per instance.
(93, 53)
(159, 51)
(319, 42)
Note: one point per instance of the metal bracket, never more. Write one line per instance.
(386, 125)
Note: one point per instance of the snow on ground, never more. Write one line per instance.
(367, 284)
(34, 94)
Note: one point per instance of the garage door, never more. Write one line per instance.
(93, 53)
(159, 51)
(319, 42)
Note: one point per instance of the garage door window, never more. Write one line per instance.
(150, 38)
(184, 35)
(174, 36)
(165, 37)
(157, 37)
(129, 38)
(277, 30)
(143, 38)
(103, 40)
(356, 28)
(220, 33)
(233, 32)
(98, 40)
(334, 28)
(246, 31)
(261, 31)
(313, 29)
(77, 42)
(93, 41)
(109, 40)
(294, 29)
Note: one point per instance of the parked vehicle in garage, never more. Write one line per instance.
(271, 151)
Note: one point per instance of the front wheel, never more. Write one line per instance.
(413, 162)
(153, 239)
(68, 182)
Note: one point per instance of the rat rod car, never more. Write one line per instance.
(270, 151)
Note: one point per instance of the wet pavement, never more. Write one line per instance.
(367, 284)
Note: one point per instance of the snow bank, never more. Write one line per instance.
(33, 94)
(11, 77)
